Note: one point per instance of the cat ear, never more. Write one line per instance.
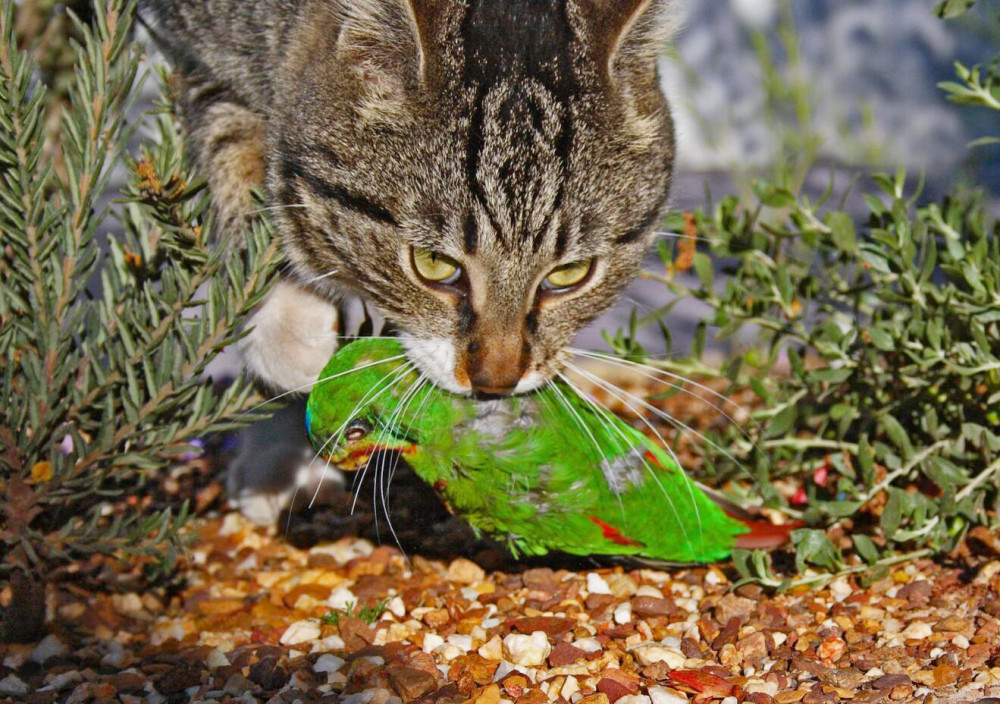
(629, 34)
(386, 41)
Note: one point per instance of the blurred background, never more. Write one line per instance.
(793, 91)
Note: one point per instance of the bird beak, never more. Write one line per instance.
(356, 458)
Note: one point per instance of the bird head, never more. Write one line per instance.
(356, 441)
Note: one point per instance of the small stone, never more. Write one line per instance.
(621, 585)
(648, 654)
(216, 659)
(341, 599)
(731, 606)
(623, 613)
(410, 683)
(432, 641)
(529, 651)
(570, 687)
(662, 695)
(489, 695)
(918, 630)
(49, 647)
(564, 654)
(597, 585)
(465, 572)
(634, 699)
(11, 685)
(492, 649)
(652, 606)
(753, 646)
(901, 692)
(237, 685)
(890, 681)
(301, 632)
(599, 698)
(328, 664)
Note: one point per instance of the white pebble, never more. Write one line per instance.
(960, 641)
(489, 623)
(341, 598)
(648, 654)
(840, 589)
(634, 699)
(529, 651)
(649, 590)
(12, 685)
(662, 695)
(432, 641)
(596, 584)
(216, 659)
(588, 645)
(450, 652)
(918, 630)
(328, 663)
(54, 683)
(623, 613)
(569, 688)
(358, 698)
(300, 632)
(327, 644)
(492, 649)
(779, 639)
(730, 700)
(462, 642)
(396, 607)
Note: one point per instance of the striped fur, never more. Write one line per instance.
(511, 135)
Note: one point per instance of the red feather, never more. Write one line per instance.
(613, 534)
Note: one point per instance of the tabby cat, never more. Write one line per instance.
(488, 173)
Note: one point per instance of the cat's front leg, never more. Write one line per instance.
(293, 336)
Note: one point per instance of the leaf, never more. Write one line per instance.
(705, 269)
(897, 434)
(844, 236)
(782, 422)
(865, 548)
(813, 547)
(949, 9)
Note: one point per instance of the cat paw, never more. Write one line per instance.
(293, 337)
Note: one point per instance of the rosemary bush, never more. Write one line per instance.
(876, 358)
(100, 388)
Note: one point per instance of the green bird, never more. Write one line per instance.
(542, 472)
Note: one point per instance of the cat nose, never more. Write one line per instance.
(496, 366)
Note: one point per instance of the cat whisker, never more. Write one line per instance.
(322, 381)
(602, 408)
(272, 208)
(327, 275)
(663, 443)
(600, 453)
(682, 236)
(645, 371)
(390, 472)
(676, 423)
(395, 376)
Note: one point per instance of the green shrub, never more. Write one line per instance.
(101, 387)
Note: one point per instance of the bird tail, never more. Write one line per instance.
(762, 534)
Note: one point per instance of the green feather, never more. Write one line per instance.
(541, 472)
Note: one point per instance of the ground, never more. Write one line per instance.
(246, 624)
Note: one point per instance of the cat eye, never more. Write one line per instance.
(435, 267)
(568, 276)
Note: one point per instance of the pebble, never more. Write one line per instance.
(217, 659)
(396, 607)
(301, 632)
(328, 664)
(623, 613)
(328, 644)
(918, 630)
(49, 647)
(662, 695)
(432, 641)
(588, 645)
(13, 686)
(465, 572)
(570, 687)
(634, 699)
(492, 649)
(341, 599)
(596, 584)
(648, 654)
(529, 651)
(463, 643)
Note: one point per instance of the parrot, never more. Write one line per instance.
(540, 472)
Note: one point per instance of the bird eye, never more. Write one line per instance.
(568, 276)
(357, 430)
(435, 267)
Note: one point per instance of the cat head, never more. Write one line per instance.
(487, 172)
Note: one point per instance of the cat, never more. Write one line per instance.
(487, 173)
